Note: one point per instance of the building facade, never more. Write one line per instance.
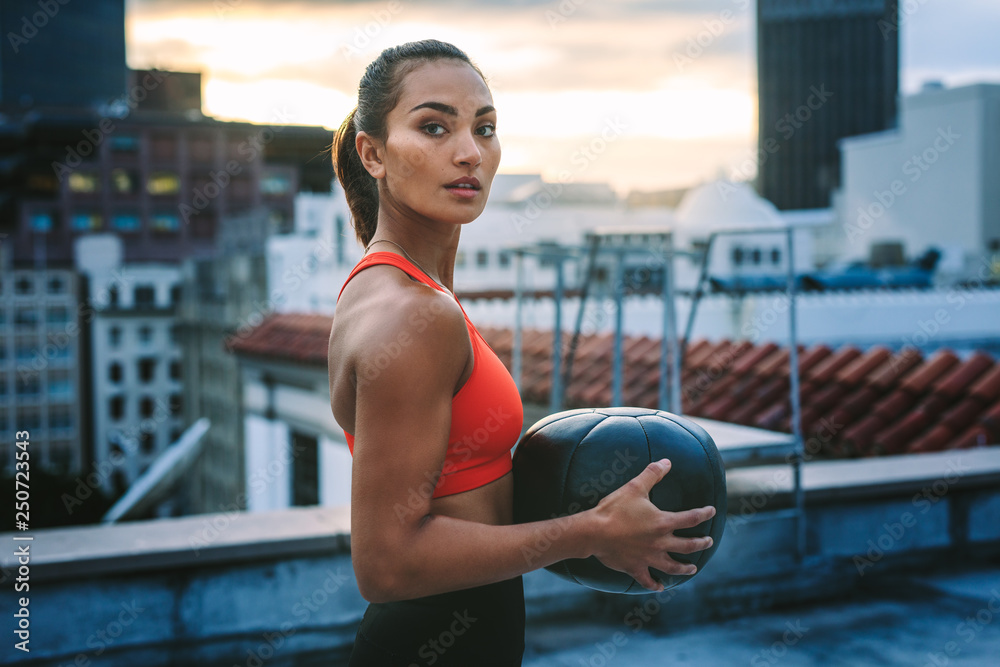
(42, 359)
(825, 70)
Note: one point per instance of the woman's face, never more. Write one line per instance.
(443, 130)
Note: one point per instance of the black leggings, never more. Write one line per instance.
(481, 626)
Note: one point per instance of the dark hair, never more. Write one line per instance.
(378, 94)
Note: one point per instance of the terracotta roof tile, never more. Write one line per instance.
(893, 370)
(958, 378)
(858, 369)
(920, 378)
(878, 402)
(987, 387)
(824, 371)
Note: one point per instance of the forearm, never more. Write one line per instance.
(445, 553)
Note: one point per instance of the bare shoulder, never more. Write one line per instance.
(390, 327)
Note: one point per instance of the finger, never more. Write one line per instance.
(652, 474)
(691, 518)
(690, 545)
(671, 566)
(646, 580)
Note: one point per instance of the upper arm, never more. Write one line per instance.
(407, 364)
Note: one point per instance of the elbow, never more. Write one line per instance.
(377, 581)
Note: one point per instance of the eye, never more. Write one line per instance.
(427, 128)
(490, 130)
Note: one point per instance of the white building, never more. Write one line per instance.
(933, 181)
(136, 366)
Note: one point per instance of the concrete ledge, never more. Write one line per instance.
(194, 541)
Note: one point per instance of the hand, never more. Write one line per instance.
(635, 535)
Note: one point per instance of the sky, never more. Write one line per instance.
(641, 94)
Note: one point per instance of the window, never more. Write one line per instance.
(28, 385)
(175, 370)
(146, 407)
(124, 143)
(145, 334)
(56, 286)
(275, 184)
(756, 255)
(147, 370)
(115, 336)
(28, 418)
(503, 259)
(147, 442)
(26, 316)
(86, 221)
(176, 404)
(175, 333)
(60, 417)
(176, 291)
(40, 222)
(305, 469)
(59, 383)
(116, 407)
(145, 296)
(124, 181)
(125, 222)
(165, 222)
(24, 286)
(163, 183)
(737, 256)
(460, 258)
(57, 315)
(482, 258)
(85, 182)
(775, 256)
(115, 372)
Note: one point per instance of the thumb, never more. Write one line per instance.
(652, 474)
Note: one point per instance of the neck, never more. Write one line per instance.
(431, 246)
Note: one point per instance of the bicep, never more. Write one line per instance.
(402, 422)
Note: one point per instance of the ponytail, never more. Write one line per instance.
(378, 93)
(360, 187)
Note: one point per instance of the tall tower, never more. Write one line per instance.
(826, 69)
(61, 54)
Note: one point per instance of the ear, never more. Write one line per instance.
(370, 150)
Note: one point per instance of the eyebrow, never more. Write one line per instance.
(448, 109)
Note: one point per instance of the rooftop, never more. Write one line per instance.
(855, 402)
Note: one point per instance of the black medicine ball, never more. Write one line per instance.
(567, 462)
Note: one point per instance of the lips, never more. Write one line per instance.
(464, 183)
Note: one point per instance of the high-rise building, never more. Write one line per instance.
(826, 69)
(60, 54)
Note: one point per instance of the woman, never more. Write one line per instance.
(433, 546)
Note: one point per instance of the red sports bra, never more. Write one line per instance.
(486, 413)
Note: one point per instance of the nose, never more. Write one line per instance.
(467, 153)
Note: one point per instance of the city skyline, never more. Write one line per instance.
(641, 95)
